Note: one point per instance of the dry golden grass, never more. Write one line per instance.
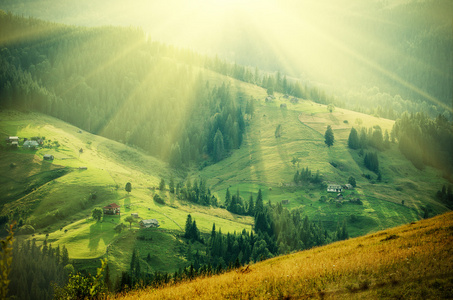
(413, 261)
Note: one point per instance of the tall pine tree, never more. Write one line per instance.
(353, 140)
(328, 136)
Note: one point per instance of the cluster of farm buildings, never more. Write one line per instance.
(28, 143)
(114, 209)
(31, 143)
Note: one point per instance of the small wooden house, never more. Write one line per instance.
(149, 223)
(112, 209)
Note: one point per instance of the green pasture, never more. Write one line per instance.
(264, 162)
(57, 197)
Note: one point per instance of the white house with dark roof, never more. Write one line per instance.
(149, 223)
(334, 188)
(29, 144)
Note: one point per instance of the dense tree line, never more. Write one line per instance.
(426, 141)
(197, 192)
(191, 231)
(306, 176)
(237, 205)
(35, 270)
(272, 82)
(446, 196)
(371, 161)
(380, 104)
(371, 137)
(277, 231)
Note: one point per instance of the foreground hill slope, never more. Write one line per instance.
(412, 261)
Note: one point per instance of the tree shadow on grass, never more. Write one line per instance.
(127, 200)
(95, 236)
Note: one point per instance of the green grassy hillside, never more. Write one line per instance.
(57, 197)
(264, 161)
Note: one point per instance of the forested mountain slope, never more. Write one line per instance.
(387, 53)
(115, 82)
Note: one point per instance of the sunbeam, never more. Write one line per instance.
(126, 50)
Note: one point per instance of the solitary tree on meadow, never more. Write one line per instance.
(329, 138)
(331, 107)
(128, 187)
(130, 220)
(97, 213)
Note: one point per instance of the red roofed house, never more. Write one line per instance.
(112, 209)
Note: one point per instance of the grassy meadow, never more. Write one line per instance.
(412, 261)
(264, 162)
(59, 196)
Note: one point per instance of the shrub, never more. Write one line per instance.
(158, 199)
(120, 227)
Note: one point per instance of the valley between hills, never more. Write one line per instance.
(268, 155)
